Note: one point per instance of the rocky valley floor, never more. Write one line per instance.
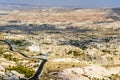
(81, 44)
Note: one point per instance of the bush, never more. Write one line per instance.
(20, 42)
(8, 56)
(1, 51)
(23, 70)
(73, 52)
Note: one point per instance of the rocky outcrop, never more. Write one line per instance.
(88, 72)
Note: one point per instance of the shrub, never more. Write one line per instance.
(20, 44)
(15, 59)
(74, 52)
(1, 51)
(23, 70)
(8, 56)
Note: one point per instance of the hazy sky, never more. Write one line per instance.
(74, 3)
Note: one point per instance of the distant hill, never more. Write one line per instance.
(11, 6)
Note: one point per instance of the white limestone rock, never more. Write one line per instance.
(65, 60)
(92, 71)
(34, 48)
